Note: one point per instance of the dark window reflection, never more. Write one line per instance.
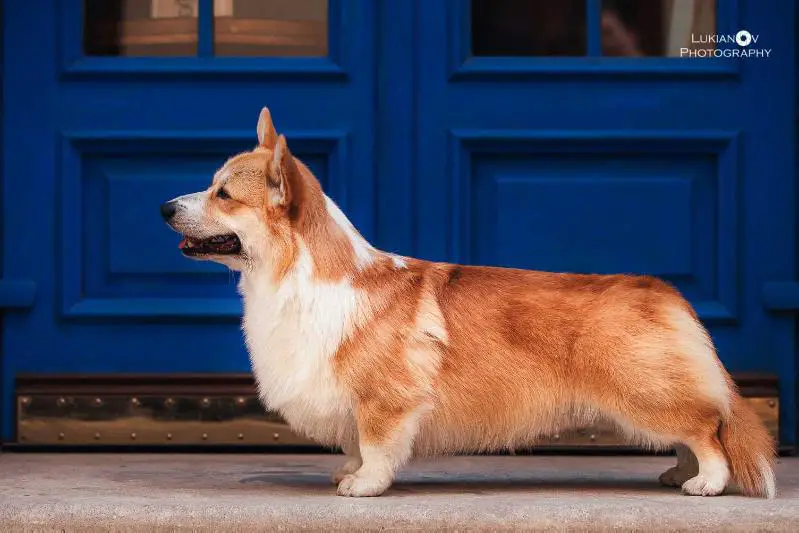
(140, 27)
(629, 28)
(528, 27)
(672, 28)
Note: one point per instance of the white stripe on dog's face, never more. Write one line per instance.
(191, 217)
(191, 204)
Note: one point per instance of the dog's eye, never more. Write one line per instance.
(222, 193)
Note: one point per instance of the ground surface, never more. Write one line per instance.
(90, 492)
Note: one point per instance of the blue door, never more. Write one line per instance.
(578, 135)
(607, 136)
(116, 106)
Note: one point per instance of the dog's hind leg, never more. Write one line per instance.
(714, 471)
(687, 467)
(702, 467)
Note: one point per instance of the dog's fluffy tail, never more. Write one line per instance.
(750, 449)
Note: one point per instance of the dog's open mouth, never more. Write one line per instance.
(219, 245)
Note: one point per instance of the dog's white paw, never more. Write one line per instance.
(358, 486)
(675, 477)
(350, 467)
(702, 485)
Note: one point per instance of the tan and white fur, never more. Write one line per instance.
(391, 357)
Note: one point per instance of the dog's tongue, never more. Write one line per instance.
(183, 243)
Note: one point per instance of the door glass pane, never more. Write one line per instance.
(140, 27)
(264, 28)
(528, 27)
(670, 28)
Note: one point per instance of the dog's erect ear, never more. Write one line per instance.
(283, 180)
(267, 136)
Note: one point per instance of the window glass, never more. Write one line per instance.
(670, 28)
(140, 27)
(264, 28)
(528, 27)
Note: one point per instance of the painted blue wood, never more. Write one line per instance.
(781, 296)
(688, 171)
(681, 168)
(676, 167)
(17, 294)
(397, 123)
(205, 28)
(107, 167)
(593, 21)
(100, 142)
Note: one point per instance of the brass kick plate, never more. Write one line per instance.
(149, 420)
(110, 419)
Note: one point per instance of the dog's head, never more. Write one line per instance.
(246, 215)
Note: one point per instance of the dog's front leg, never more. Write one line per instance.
(385, 447)
(353, 457)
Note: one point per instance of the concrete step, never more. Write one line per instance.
(236, 492)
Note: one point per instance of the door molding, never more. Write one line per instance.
(336, 66)
(461, 66)
(80, 147)
(17, 293)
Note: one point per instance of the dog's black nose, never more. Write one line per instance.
(168, 209)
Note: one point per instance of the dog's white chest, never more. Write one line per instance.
(292, 332)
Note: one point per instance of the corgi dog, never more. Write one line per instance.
(391, 357)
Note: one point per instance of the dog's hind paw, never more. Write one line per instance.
(674, 477)
(702, 485)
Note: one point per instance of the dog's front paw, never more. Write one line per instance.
(358, 486)
(350, 467)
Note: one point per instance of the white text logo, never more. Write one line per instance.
(741, 44)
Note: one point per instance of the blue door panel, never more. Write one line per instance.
(100, 142)
(122, 260)
(682, 168)
(522, 195)
(679, 168)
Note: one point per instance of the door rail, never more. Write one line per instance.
(17, 293)
(781, 296)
